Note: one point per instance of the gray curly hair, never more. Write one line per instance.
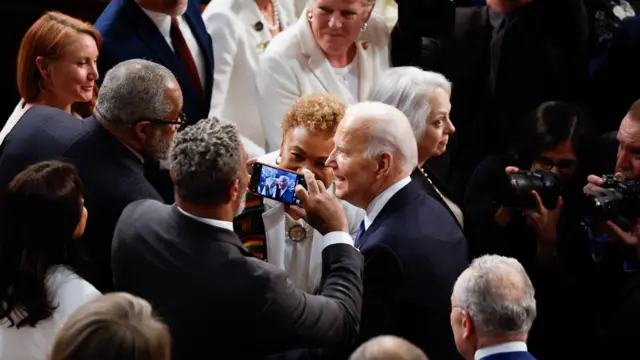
(205, 160)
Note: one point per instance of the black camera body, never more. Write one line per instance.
(618, 198)
(521, 184)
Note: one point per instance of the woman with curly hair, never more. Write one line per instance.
(291, 243)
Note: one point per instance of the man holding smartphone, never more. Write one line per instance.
(216, 298)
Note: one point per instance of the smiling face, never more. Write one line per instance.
(336, 24)
(72, 77)
(439, 126)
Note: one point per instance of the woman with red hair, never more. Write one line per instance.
(57, 67)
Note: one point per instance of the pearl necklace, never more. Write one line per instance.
(276, 16)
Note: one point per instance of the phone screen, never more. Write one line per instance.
(275, 183)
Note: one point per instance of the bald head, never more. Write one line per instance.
(388, 347)
(382, 128)
(498, 295)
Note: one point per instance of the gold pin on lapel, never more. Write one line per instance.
(365, 45)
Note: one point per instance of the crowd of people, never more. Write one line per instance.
(469, 192)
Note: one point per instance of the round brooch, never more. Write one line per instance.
(297, 233)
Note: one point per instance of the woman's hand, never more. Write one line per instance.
(544, 223)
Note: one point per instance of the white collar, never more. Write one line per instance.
(513, 346)
(162, 21)
(213, 222)
(376, 205)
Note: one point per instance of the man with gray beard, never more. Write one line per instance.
(135, 118)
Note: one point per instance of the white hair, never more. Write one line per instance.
(385, 129)
(498, 295)
(408, 89)
(367, 3)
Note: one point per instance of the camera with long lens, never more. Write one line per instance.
(619, 198)
(520, 185)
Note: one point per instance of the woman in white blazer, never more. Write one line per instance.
(292, 244)
(240, 32)
(337, 47)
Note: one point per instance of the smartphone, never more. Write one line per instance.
(275, 183)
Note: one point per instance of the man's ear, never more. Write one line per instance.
(468, 325)
(234, 190)
(384, 161)
(142, 131)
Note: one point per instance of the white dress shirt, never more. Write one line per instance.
(514, 346)
(381, 200)
(213, 222)
(68, 291)
(163, 22)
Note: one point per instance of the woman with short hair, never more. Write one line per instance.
(337, 47)
(57, 67)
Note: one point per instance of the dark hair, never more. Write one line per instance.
(42, 208)
(548, 126)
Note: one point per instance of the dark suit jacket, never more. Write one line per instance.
(128, 33)
(113, 177)
(516, 355)
(221, 302)
(618, 336)
(431, 190)
(43, 133)
(414, 252)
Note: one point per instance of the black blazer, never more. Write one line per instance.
(128, 33)
(43, 133)
(113, 177)
(430, 188)
(414, 252)
(221, 302)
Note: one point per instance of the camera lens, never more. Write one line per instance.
(520, 185)
(604, 205)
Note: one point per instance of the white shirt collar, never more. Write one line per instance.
(513, 346)
(213, 222)
(162, 21)
(381, 200)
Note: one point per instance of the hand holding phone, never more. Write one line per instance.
(322, 209)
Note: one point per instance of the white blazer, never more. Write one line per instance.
(294, 65)
(238, 43)
(302, 261)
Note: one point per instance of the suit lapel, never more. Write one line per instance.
(250, 17)
(366, 68)
(318, 63)
(273, 219)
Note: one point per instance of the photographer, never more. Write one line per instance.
(536, 218)
(619, 336)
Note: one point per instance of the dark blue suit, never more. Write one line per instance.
(515, 355)
(128, 33)
(414, 251)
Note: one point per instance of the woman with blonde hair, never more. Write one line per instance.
(57, 67)
(116, 326)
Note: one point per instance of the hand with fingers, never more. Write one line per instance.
(544, 222)
(630, 237)
(321, 209)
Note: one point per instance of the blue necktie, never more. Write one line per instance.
(359, 234)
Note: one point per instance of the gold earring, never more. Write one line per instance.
(364, 27)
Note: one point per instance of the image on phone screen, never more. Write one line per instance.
(275, 183)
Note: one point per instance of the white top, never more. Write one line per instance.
(16, 115)
(514, 346)
(34, 343)
(213, 222)
(350, 77)
(163, 22)
(240, 36)
(381, 200)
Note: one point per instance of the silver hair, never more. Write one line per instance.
(408, 89)
(367, 3)
(386, 129)
(388, 347)
(205, 160)
(134, 90)
(498, 295)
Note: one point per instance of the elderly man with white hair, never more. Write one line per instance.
(493, 308)
(413, 249)
(424, 98)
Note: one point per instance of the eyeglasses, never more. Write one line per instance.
(565, 164)
(181, 121)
